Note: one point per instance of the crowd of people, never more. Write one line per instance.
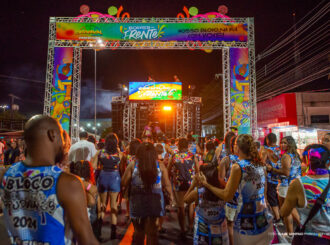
(231, 192)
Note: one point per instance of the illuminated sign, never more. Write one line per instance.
(155, 91)
(227, 32)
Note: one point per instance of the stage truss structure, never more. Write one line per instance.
(183, 115)
(130, 108)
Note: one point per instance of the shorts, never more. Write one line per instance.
(282, 190)
(272, 194)
(260, 239)
(230, 211)
(109, 181)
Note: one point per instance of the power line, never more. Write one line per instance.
(42, 82)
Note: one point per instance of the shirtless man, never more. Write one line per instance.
(51, 202)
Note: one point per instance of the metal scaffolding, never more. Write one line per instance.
(183, 118)
(253, 86)
(75, 97)
(226, 90)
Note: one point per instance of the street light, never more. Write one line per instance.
(98, 44)
(4, 107)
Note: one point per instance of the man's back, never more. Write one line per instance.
(82, 150)
(31, 208)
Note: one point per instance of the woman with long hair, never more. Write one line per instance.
(253, 223)
(223, 149)
(304, 193)
(109, 160)
(225, 166)
(146, 176)
(127, 159)
(289, 170)
(210, 210)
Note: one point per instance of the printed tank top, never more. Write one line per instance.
(319, 225)
(110, 162)
(295, 171)
(223, 152)
(253, 217)
(271, 177)
(210, 211)
(31, 208)
(232, 159)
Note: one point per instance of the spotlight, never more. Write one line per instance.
(167, 108)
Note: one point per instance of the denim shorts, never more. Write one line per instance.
(109, 181)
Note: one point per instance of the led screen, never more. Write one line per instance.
(155, 91)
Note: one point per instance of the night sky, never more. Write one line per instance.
(24, 40)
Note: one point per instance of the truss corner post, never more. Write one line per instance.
(179, 132)
(226, 90)
(49, 68)
(75, 94)
(253, 88)
(126, 121)
(132, 121)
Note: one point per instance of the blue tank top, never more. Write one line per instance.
(319, 225)
(295, 171)
(253, 217)
(271, 177)
(210, 221)
(232, 159)
(146, 203)
(223, 152)
(31, 208)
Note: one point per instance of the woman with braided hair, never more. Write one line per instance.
(252, 223)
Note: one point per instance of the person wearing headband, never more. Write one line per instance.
(304, 192)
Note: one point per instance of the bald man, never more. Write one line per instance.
(42, 204)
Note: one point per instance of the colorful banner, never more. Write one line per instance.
(62, 82)
(229, 32)
(240, 90)
(155, 91)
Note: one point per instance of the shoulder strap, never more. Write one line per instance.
(317, 206)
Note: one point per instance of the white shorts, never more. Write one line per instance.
(282, 190)
(230, 213)
(264, 238)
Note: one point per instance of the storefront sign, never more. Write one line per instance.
(280, 109)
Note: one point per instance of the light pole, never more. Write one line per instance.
(98, 44)
(95, 92)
